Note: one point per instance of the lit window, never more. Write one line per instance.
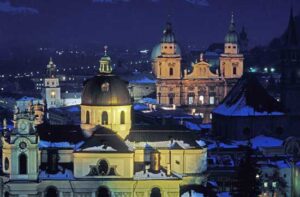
(210, 115)
(191, 100)
(201, 99)
(202, 115)
(274, 184)
(265, 184)
(211, 100)
(52, 94)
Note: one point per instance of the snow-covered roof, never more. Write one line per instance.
(48, 144)
(64, 174)
(249, 98)
(142, 175)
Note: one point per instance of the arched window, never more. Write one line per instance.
(87, 118)
(22, 164)
(51, 192)
(122, 117)
(103, 192)
(171, 72)
(155, 192)
(104, 118)
(6, 163)
(103, 167)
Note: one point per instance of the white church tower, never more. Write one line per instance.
(52, 91)
(21, 157)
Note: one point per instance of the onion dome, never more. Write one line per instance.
(232, 35)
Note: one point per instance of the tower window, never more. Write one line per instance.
(87, 118)
(234, 71)
(122, 117)
(22, 164)
(104, 118)
(171, 72)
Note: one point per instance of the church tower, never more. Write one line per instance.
(231, 61)
(167, 63)
(167, 68)
(52, 91)
(21, 157)
(290, 70)
(106, 101)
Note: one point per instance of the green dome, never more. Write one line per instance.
(231, 37)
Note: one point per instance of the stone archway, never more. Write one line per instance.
(51, 192)
(155, 192)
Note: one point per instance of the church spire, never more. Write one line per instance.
(291, 34)
(231, 36)
(105, 63)
(51, 69)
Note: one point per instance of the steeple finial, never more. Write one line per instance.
(232, 23)
(105, 50)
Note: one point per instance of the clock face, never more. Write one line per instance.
(23, 145)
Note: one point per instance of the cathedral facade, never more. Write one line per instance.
(107, 155)
(199, 89)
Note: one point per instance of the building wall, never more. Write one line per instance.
(114, 118)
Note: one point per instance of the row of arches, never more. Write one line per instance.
(104, 118)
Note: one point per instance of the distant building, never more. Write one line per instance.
(248, 110)
(203, 87)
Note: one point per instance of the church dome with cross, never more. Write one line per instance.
(105, 89)
(104, 97)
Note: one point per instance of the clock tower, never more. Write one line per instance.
(21, 158)
(52, 91)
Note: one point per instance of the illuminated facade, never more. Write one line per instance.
(106, 155)
(201, 89)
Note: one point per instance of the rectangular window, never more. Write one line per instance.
(201, 99)
(191, 100)
(211, 100)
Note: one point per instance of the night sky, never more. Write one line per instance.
(137, 23)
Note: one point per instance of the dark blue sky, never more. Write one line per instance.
(137, 23)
